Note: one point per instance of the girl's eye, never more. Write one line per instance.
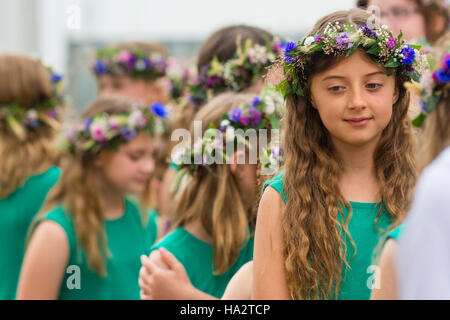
(374, 86)
(336, 88)
(134, 157)
(117, 85)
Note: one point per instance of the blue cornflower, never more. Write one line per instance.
(256, 101)
(55, 77)
(235, 114)
(100, 67)
(408, 55)
(289, 47)
(159, 109)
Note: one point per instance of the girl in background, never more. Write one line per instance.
(88, 225)
(30, 110)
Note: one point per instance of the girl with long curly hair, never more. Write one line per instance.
(86, 241)
(349, 165)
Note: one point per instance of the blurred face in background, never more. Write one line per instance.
(145, 92)
(404, 15)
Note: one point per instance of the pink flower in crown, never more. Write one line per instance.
(391, 43)
(71, 133)
(244, 120)
(98, 131)
(137, 119)
(124, 56)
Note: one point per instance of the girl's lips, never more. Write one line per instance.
(358, 122)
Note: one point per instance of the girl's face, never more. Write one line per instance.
(404, 15)
(354, 99)
(140, 90)
(246, 178)
(128, 170)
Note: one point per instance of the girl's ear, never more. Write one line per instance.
(396, 95)
(313, 103)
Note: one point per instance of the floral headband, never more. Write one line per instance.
(217, 77)
(432, 87)
(134, 63)
(20, 119)
(109, 131)
(336, 40)
(263, 112)
(178, 79)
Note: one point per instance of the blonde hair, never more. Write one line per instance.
(79, 192)
(313, 245)
(24, 81)
(436, 135)
(213, 195)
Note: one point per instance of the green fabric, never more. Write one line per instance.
(366, 237)
(396, 233)
(127, 240)
(16, 213)
(197, 258)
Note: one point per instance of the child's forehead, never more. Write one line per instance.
(355, 65)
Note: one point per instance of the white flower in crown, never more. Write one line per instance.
(140, 65)
(178, 155)
(32, 115)
(308, 41)
(137, 119)
(270, 105)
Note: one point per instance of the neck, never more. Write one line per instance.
(195, 228)
(113, 201)
(358, 180)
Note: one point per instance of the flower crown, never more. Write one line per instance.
(217, 77)
(178, 79)
(134, 63)
(432, 87)
(263, 112)
(21, 119)
(109, 131)
(336, 40)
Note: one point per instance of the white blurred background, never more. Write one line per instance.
(63, 33)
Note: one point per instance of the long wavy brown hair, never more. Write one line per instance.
(313, 246)
(25, 81)
(79, 192)
(213, 195)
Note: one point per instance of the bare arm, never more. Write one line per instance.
(268, 260)
(240, 286)
(44, 263)
(386, 278)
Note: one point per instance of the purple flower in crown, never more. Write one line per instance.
(127, 58)
(409, 68)
(235, 114)
(256, 101)
(255, 116)
(159, 109)
(87, 123)
(391, 44)
(244, 120)
(369, 32)
(408, 55)
(127, 134)
(100, 67)
(318, 37)
(343, 41)
(161, 65)
(52, 113)
(213, 81)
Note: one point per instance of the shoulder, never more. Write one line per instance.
(277, 185)
(47, 178)
(396, 233)
(172, 240)
(58, 218)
